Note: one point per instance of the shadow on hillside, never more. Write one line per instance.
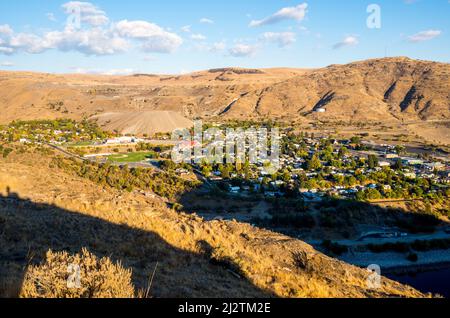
(28, 230)
(328, 219)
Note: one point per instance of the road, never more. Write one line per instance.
(65, 152)
(395, 201)
(441, 234)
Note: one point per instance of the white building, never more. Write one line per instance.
(384, 164)
(412, 161)
(391, 156)
(123, 140)
(410, 175)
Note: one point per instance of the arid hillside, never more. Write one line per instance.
(381, 89)
(393, 91)
(43, 208)
(47, 96)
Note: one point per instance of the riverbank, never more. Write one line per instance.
(430, 274)
(436, 281)
(417, 269)
(392, 262)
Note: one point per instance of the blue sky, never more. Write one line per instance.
(175, 36)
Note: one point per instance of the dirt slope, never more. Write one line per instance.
(140, 123)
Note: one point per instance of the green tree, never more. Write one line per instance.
(372, 161)
(286, 176)
(355, 140)
(400, 149)
(313, 163)
(398, 165)
(206, 170)
(343, 151)
(373, 194)
(224, 171)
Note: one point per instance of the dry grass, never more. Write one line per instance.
(99, 278)
(196, 258)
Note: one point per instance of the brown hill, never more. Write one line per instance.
(390, 89)
(25, 95)
(382, 89)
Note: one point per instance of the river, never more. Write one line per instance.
(436, 281)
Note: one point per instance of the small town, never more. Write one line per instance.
(311, 167)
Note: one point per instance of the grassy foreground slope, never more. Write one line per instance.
(43, 208)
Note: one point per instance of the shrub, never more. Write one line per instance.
(419, 223)
(297, 220)
(334, 248)
(330, 219)
(300, 260)
(99, 278)
(412, 257)
(6, 152)
(177, 207)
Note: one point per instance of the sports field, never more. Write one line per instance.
(132, 157)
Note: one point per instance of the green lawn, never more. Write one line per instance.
(131, 157)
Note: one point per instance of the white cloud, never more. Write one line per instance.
(7, 64)
(186, 28)
(218, 46)
(149, 58)
(296, 13)
(282, 39)
(125, 71)
(424, 36)
(184, 72)
(347, 41)
(206, 21)
(161, 44)
(112, 72)
(88, 12)
(29, 42)
(198, 37)
(5, 30)
(94, 41)
(80, 70)
(51, 17)
(138, 29)
(6, 50)
(154, 38)
(93, 38)
(243, 50)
